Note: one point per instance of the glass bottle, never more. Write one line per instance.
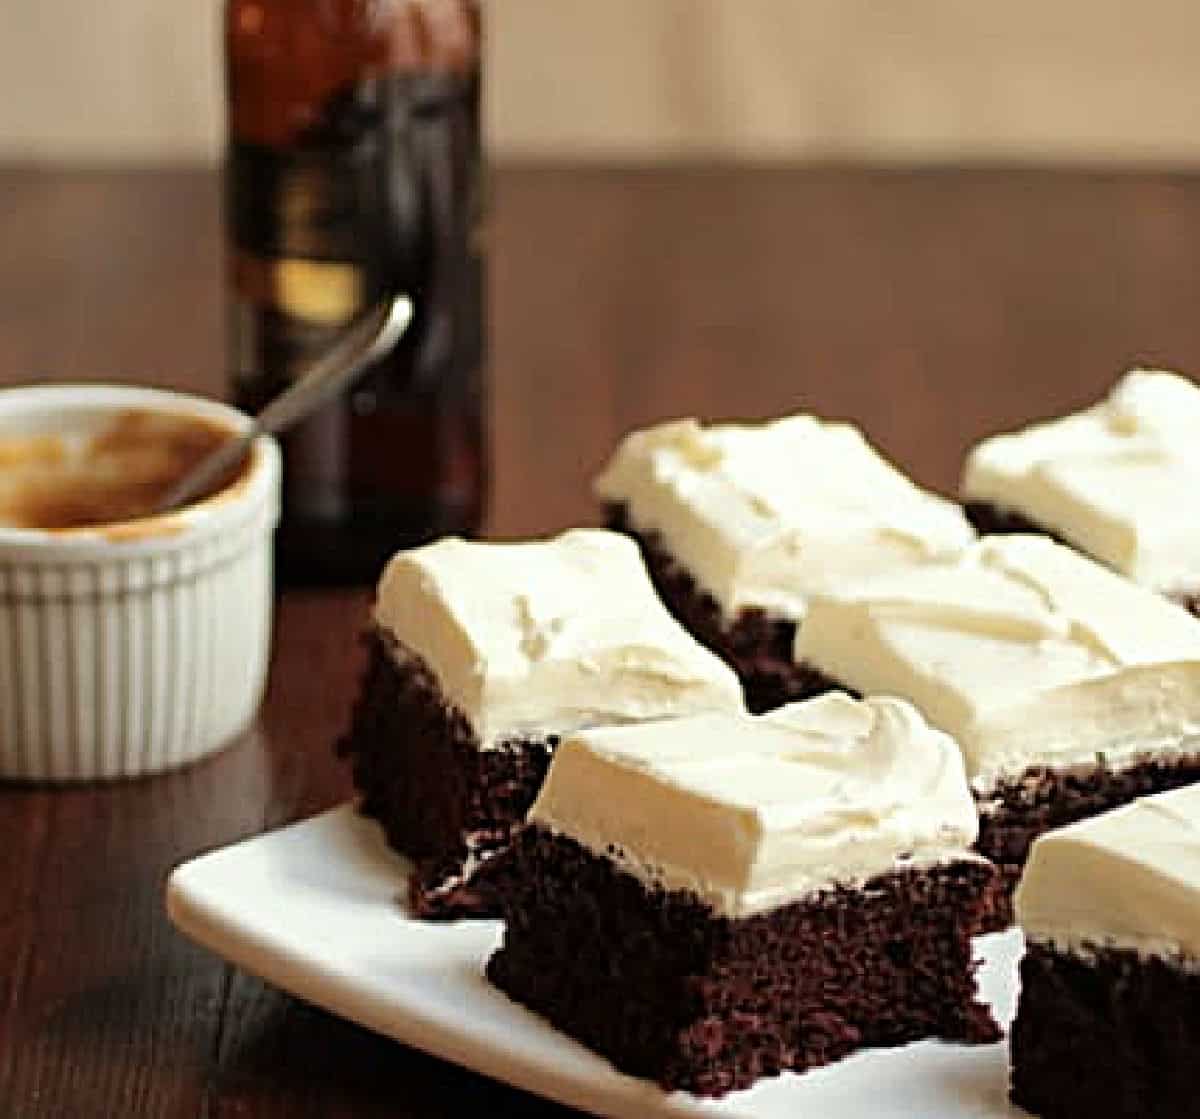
(354, 171)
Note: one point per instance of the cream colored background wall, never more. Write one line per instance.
(110, 80)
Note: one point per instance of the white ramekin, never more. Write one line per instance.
(133, 649)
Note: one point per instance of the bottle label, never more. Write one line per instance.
(380, 196)
(300, 269)
(321, 292)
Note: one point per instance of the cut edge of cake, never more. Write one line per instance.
(709, 900)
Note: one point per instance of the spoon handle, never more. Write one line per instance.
(330, 374)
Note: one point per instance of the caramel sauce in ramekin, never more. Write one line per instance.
(110, 480)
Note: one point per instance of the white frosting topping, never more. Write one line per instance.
(1118, 481)
(1127, 879)
(548, 636)
(1025, 651)
(751, 812)
(761, 515)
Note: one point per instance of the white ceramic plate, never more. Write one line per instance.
(316, 909)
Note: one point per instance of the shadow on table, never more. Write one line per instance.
(176, 1034)
(305, 1061)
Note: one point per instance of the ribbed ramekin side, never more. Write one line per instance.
(132, 666)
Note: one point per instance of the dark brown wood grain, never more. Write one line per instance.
(933, 306)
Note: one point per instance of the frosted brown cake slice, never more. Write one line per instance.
(1107, 1024)
(742, 523)
(1069, 689)
(1118, 481)
(481, 656)
(714, 899)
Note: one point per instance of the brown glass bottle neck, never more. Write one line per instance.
(286, 58)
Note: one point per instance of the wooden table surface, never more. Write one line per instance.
(931, 306)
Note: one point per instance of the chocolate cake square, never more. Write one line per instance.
(740, 523)
(1108, 1020)
(1117, 481)
(480, 657)
(710, 900)
(1069, 689)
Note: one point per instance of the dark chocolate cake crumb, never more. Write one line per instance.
(666, 990)
(448, 805)
(1111, 1036)
(1189, 600)
(756, 646)
(1018, 811)
(991, 520)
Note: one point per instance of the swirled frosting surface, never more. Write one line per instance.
(749, 812)
(1118, 480)
(546, 636)
(1127, 879)
(762, 515)
(1026, 652)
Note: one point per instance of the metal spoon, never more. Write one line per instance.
(332, 373)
